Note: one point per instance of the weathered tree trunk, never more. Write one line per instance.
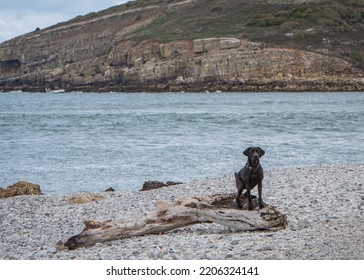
(187, 211)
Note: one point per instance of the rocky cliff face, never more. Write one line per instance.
(98, 53)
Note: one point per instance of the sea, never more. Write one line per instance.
(88, 142)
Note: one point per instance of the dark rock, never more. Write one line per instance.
(171, 183)
(110, 190)
(151, 185)
(20, 188)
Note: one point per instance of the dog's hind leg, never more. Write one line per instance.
(250, 200)
(261, 203)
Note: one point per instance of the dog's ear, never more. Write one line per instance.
(261, 152)
(246, 152)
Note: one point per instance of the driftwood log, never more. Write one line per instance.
(187, 211)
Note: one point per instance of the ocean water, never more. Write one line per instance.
(72, 142)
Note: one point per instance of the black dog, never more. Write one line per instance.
(250, 176)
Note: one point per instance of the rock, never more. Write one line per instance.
(205, 45)
(209, 44)
(151, 185)
(110, 190)
(20, 188)
(171, 183)
(167, 50)
(84, 198)
(229, 43)
(198, 46)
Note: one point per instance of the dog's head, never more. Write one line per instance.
(253, 154)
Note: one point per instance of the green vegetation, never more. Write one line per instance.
(357, 56)
(306, 34)
(340, 16)
(207, 18)
(247, 18)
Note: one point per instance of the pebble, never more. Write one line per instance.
(325, 221)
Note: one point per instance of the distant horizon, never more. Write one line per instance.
(19, 17)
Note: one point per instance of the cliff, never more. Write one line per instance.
(190, 45)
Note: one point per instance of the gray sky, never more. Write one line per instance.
(21, 16)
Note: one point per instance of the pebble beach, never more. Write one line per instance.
(324, 206)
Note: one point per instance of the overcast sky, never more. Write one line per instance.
(21, 16)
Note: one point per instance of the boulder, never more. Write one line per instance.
(151, 185)
(20, 188)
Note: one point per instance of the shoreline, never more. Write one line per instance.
(324, 207)
(354, 85)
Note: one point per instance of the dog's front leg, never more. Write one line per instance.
(250, 200)
(237, 199)
(261, 203)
